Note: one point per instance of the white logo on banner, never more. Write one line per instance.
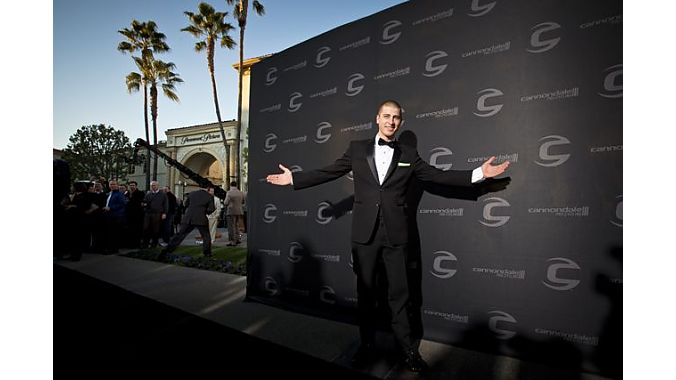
(437, 153)
(271, 78)
(480, 10)
(295, 168)
(552, 160)
(484, 110)
(612, 84)
(430, 69)
(327, 295)
(494, 220)
(268, 216)
(322, 61)
(353, 90)
(321, 219)
(296, 251)
(539, 45)
(293, 107)
(320, 136)
(389, 38)
(618, 212)
(438, 269)
(269, 145)
(497, 317)
(554, 281)
(271, 286)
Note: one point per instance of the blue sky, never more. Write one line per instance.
(89, 72)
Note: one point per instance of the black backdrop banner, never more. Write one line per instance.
(530, 266)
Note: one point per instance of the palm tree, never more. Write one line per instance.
(241, 10)
(156, 72)
(143, 37)
(208, 26)
(134, 83)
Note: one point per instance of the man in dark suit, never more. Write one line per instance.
(382, 170)
(198, 205)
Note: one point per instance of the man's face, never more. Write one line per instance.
(132, 187)
(154, 186)
(98, 187)
(113, 186)
(388, 120)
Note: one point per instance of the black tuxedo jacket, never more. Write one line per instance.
(370, 197)
(198, 205)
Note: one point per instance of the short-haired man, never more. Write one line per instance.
(199, 204)
(234, 199)
(382, 170)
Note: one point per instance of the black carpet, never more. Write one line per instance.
(101, 330)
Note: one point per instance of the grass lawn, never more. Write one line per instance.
(224, 259)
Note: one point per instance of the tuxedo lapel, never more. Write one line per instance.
(395, 161)
(370, 152)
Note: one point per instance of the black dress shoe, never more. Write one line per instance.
(414, 362)
(364, 356)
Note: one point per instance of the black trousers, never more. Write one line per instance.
(184, 231)
(394, 257)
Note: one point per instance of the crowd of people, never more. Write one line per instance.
(95, 219)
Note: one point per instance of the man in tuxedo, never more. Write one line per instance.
(199, 204)
(382, 170)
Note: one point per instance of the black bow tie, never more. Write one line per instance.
(391, 143)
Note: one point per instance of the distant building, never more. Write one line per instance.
(200, 148)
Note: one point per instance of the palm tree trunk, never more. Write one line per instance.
(153, 114)
(238, 131)
(220, 127)
(145, 117)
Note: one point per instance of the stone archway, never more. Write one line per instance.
(206, 165)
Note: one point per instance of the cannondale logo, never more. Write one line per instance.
(296, 251)
(295, 168)
(322, 61)
(612, 84)
(293, 107)
(271, 286)
(321, 137)
(353, 89)
(484, 110)
(553, 280)
(430, 69)
(271, 78)
(269, 144)
(321, 218)
(439, 269)
(327, 294)
(350, 175)
(500, 317)
(538, 44)
(436, 154)
(491, 220)
(388, 36)
(480, 10)
(552, 160)
(618, 212)
(269, 213)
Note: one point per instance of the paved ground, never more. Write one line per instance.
(123, 312)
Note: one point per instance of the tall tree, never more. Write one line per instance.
(158, 73)
(96, 151)
(209, 27)
(143, 37)
(241, 10)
